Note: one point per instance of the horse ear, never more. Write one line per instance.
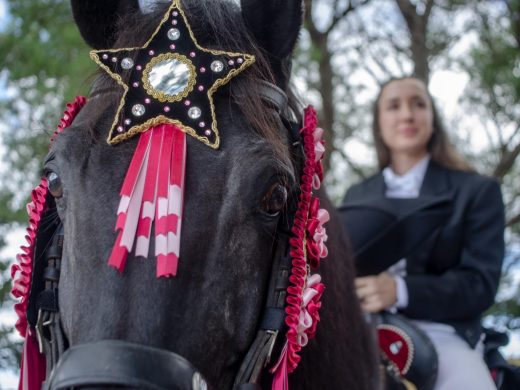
(275, 24)
(97, 19)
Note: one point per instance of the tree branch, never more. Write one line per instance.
(428, 9)
(355, 167)
(506, 162)
(408, 12)
(515, 20)
(340, 16)
(513, 220)
(309, 22)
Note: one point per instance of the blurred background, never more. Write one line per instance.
(468, 51)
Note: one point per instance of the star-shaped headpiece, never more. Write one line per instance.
(171, 79)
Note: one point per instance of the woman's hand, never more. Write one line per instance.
(376, 293)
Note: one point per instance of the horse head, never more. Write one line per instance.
(237, 209)
(234, 200)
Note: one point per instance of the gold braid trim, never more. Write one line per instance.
(163, 96)
(248, 60)
(409, 385)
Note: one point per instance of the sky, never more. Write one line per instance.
(3, 14)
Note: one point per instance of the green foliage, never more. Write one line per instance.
(507, 312)
(45, 63)
(495, 62)
(4, 291)
(494, 90)
(10, 349)
(41, 40)
(10, 345)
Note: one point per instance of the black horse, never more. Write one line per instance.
(234, 208)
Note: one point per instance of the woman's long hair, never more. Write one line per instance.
(439, 146)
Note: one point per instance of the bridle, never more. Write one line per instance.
(120, 363)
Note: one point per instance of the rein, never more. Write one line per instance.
(120, 363)
(272, 321)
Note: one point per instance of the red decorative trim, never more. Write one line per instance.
(33, 363)
(68, 116)
(307, 246)
(397, 346)
(21, 272)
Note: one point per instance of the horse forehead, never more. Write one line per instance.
(249, 150)
(242, 155)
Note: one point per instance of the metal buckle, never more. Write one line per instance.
(273, 336)
(40, 324)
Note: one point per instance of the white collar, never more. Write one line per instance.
(411, 181)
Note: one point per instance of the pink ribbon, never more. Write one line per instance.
(319, 147)
(316, 233)
(306, 319)
(319, 151)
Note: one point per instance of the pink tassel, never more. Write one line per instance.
(144, 226)
(281, 372)
(32, 369)
(122, 245)
(167, 260)
(153, 192)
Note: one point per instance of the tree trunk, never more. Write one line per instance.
(417, 26)
(319, 41)
(327, 115)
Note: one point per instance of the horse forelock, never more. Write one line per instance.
(216, 25)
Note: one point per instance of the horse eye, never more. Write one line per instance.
(54, 182)
(274, 200)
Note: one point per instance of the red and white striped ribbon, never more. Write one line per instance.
(153, 193)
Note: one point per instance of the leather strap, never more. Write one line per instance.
(249, 386)
(272, 322)
(273, 95)
(48, 326)
(119, 363)
(269, 92)
(273, 319)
